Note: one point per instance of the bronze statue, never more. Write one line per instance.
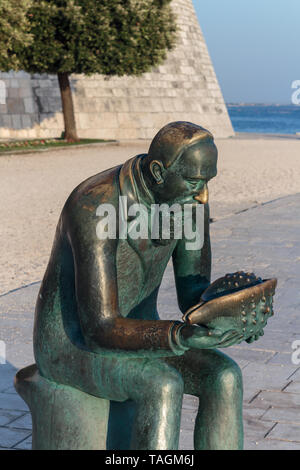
(97, 328)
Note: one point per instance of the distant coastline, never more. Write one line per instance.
(264, 118)
(262, 104)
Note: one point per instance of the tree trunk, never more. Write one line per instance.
(68, 108)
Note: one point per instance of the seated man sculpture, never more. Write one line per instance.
(97, 328)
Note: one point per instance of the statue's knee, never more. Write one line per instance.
(229, 380)
(166, 382)
(173, 381)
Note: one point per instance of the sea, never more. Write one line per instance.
(265, 119)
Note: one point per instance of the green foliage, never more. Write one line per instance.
(37, 144)
(13, 32)
(111, 37)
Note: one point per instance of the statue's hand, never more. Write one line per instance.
(198, 337)
(239, 302)
(255, 337)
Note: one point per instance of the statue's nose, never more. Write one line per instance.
(202, 196)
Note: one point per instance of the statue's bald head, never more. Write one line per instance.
(182, 158)
(174, 139)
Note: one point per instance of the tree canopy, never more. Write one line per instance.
(111, 37)
(14, 25)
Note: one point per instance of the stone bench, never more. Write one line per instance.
(64, 418)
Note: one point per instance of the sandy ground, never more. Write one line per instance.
(34, 187)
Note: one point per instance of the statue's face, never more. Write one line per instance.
(185, 182)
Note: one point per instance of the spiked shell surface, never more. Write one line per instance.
(239, 301)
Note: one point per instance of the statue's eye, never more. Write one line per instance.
(194, 183)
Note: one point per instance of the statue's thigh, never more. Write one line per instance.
(200, 367)
(141, 379)
(115, 378)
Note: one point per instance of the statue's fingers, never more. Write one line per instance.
(250, 340)
(190, 311)
(241, 339)
(235, 340)
(216, 339)
(215, 332)
(230, 336)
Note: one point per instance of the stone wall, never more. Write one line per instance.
(185, 87)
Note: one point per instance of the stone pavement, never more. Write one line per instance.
(265, 240)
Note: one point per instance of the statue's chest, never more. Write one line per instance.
(140, 268)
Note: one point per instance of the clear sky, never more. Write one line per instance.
(254, 46)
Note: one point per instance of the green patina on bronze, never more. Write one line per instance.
(97, 332)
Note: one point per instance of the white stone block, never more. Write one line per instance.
(127, 134)
(29, 105)
(45, 83)
(5, 133)
(14, 83)
(26, 120)
(16, 121)
(25, 91)
(98, 133)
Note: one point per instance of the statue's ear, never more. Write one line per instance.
(156, 169)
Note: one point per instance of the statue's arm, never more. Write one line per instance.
(97, 297)
(192, 268)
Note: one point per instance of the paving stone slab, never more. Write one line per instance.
(278, 400)
(188, 420)
(269, 444)
(7, 373)
(273, 340)
(190, 402)
(283, 415)
(296, 375)
(249, 355)
(8, 401)
(251, 413)
(12, 437)
(250, 392)
(286, 432)
(25, 445)
(267, 376)
(24, 422)
(10, 390)
(293, 387)
(186, 441)
(282, 359)
(6, 416)
(256, 429)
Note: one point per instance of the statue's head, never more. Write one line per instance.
(182, 158)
